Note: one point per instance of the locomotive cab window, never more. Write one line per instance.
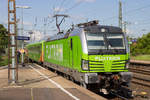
(95, 41)
(105, 42)
(115, 41)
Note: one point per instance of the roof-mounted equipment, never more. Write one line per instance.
(91, 23)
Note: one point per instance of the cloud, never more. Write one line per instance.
(24, 23)
(58, 9)
(36, 36)
(50, 16)
(27, 23)
(85, 0)
(130, 32)
(79, 17)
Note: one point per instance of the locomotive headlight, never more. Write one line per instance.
(85, 65)
(103, 30)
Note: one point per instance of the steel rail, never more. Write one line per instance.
(138, 70)
(141, 81)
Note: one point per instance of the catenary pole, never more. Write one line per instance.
(120, 14)
(12, 43)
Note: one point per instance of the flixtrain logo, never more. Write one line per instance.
(107, 58)
(55, 51)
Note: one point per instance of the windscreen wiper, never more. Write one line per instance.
(109, 44)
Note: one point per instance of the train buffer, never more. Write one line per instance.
(38, 83)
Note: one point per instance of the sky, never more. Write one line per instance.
(135, 12)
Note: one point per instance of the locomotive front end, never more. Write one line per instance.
(105, 59)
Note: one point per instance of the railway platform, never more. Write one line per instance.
(38, 83)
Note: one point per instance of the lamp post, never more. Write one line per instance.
(22, 29)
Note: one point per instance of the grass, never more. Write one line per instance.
(3, 60)
(141, 57)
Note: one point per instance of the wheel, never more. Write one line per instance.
(68, 77)
(72, 79)
(84, 85)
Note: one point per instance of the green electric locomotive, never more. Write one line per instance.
(94, 55)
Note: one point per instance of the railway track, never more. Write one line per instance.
(139, 70)
(141, 81)
(142, 68)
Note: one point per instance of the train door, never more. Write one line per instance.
(71, 52)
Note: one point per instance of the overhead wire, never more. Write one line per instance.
(54, 4)
(128, 12)
(51, 20)
(74, 6)
(145, 20)
(66, 10)
(141, 8)
(145, 23)
(61, 5)
(54, 7)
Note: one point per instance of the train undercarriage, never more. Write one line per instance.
(109, 83)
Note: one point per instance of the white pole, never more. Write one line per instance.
(13, 60)
(22, 28)
(22, 61)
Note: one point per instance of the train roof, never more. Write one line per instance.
(98, 28)
(93, 26)
(56, 37)
(77, 30)
(36, 43)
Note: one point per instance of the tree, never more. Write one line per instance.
(3, 39)
(142, 45)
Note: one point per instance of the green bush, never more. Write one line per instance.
(142, 46)
(3, 60)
